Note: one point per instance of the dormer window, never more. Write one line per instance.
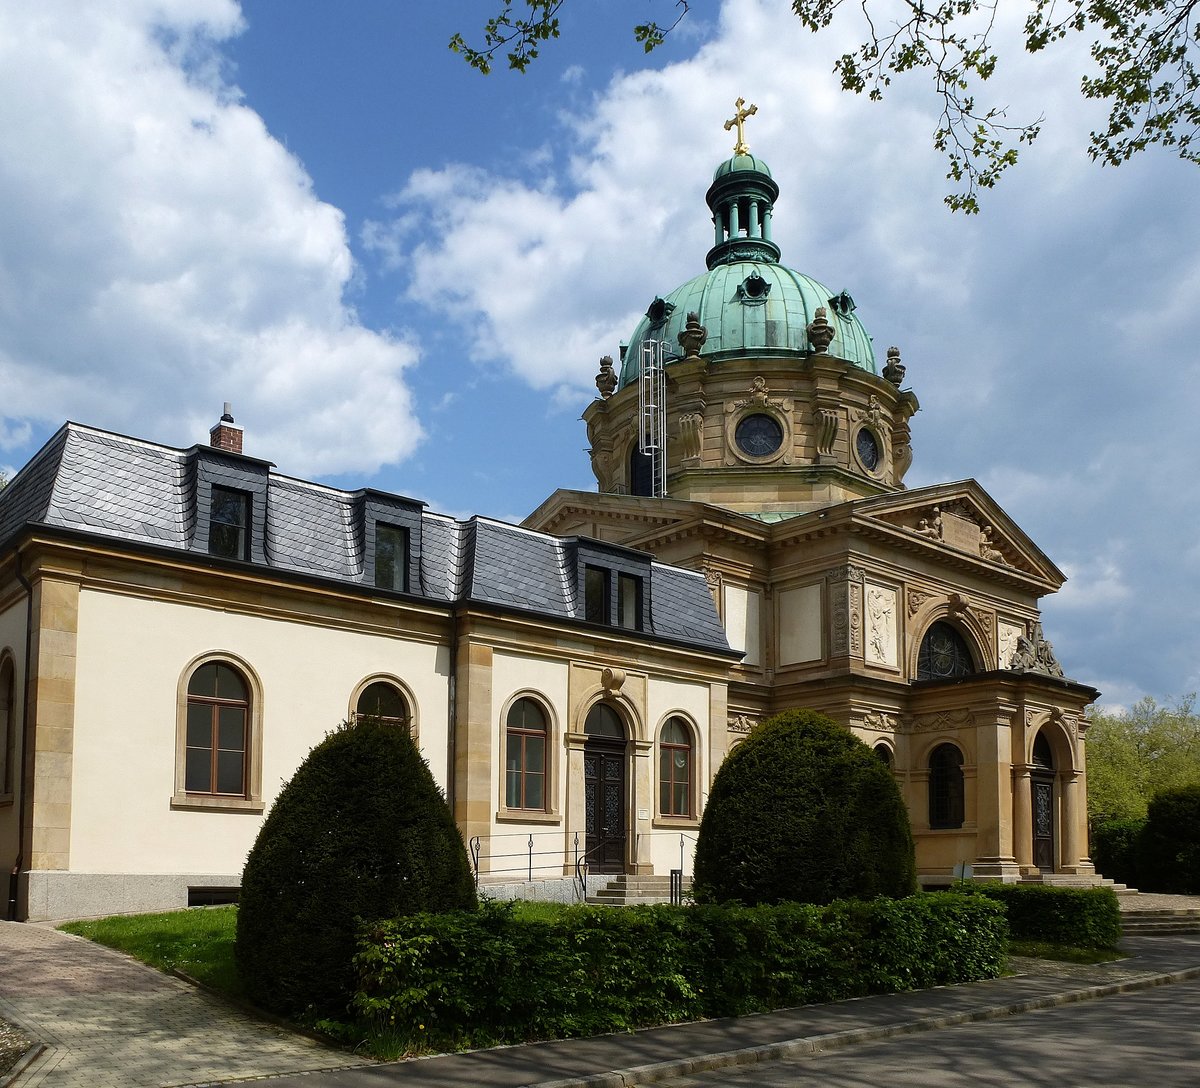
(629, 602)
(391, 551)
(229, 523)
(595, 595)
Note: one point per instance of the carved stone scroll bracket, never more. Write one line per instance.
(612, 680)
(826, 429)
(902, 458)
(691, 432)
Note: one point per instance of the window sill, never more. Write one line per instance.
(676, 823)
(527, 816)
(194, 802)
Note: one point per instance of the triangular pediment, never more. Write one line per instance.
(964, 518)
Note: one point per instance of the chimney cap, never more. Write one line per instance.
(227, 417)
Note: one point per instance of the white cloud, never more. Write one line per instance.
(1051, 339)
(164, 253)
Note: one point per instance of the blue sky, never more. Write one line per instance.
(403, 274)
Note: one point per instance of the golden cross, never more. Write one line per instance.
(739, 118)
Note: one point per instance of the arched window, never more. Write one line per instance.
(603, 721)
(945, 787)
(944, 654)
(675, 768)
(384, 701)
(218, 708)
(1043, 758)
(525, 756)
(8, 727)
(884, 754)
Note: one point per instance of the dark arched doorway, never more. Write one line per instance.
(605, 789)
(1041, 783)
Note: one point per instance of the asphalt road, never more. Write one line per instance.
(1150, 1038)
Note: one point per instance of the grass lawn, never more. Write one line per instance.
(197, 941)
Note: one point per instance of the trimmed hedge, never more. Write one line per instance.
(1169, 846)
(1083, 917)
(803, 811)
(488, 977)
(1115, 848)
(360, 833)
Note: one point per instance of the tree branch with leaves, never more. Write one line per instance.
(1144, 51)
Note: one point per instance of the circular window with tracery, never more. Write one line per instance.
(867, 447)
(944, 654)
(758, 435)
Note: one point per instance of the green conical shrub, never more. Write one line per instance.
(803, 811)
(360, 833)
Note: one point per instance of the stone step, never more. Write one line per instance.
(1159, 929)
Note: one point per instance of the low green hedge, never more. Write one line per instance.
(487, 977)
(1083, 917)
(1115, 845)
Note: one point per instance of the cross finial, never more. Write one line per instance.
(739, 118)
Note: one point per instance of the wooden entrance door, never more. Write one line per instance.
(604, 794)
(1043, 822)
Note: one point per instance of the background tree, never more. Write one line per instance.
(1144, 54)
(360, 833)
(1131, 756)
(803, 811)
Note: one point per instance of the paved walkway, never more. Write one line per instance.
(109, 1021)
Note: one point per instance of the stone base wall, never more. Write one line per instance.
(560, 890)
(53, 895)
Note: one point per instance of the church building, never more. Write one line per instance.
(179, 626)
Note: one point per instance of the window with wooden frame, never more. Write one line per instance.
(675, 768)
(217, 746)
(391, 557)
(229, 523)
(525, 739)
(946, 792)
(384, 702)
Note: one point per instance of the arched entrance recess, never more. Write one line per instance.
(605, 789)
(1041, 784)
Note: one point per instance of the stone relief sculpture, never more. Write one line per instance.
(871, 412)
(987, 549)
(881, 625)
(741, 723)
(691, 428)
(931, 527)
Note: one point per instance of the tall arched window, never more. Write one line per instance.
(385, 702)
(218, 709)
(8, 727)
(675, 768)
(945, 787)
(525, 756)
(944, 654)
(603, 721)
(884, 754)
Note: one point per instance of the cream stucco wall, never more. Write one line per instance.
(131, 655)
(800, 624)
(741, 614)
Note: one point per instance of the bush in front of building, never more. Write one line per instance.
(361, 832)
(1115, 846)
(1169, 846)
(803, 811)
(489, 977)
(1080, 917)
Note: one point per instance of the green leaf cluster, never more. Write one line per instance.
(1169, 846)
(361, 832)
(803, 811)
(1080, 917)
(1131, 756)
(490, 976)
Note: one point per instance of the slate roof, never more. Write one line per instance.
(100, 483)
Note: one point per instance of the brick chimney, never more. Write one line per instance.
(226, 435)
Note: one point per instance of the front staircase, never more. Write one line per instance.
(1159, 921)
(625, 891)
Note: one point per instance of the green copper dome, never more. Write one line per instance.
(749, 303)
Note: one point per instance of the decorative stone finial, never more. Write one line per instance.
(692, 336)
(894, 370)
(739, 119)
(820, 332)
(606, 380)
